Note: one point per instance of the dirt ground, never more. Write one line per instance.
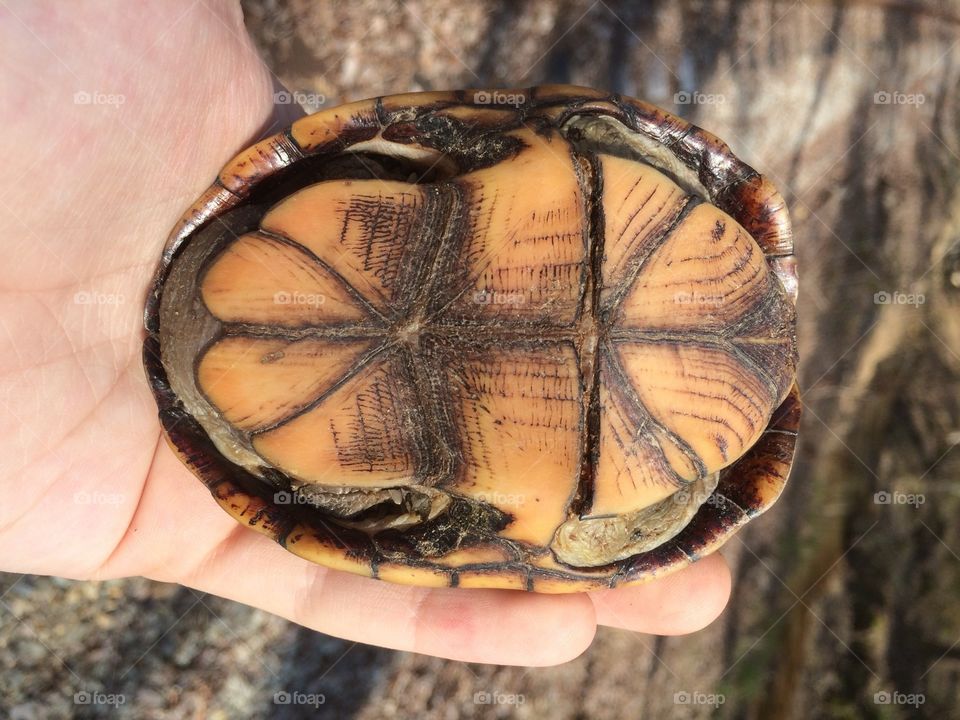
(845, 598)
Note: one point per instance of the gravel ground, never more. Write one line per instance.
(140, 649)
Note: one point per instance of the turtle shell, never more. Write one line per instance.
(540, 339)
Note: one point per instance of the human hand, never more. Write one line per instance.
(114, 120)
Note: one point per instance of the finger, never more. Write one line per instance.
(683, 602)
(179, 534)
(486, 626)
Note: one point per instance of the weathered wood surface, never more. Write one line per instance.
(850, 109)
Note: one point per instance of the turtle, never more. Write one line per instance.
(539, 339)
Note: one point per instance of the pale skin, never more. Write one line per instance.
(91, 186)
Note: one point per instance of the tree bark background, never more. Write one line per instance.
(850, 109)
(845, 601)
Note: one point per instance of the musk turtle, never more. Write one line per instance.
(539, 339)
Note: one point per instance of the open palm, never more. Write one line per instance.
(114, 120)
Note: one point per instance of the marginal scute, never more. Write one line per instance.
(410, 102)
(757, 480)
(258, 161)
(562, 94)
(480, 118)
(769, 223)
(491, 579)
(475, 556)
(337, 127)
(250, 510)
(337, 548)
(406, 575)
(597, 107)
